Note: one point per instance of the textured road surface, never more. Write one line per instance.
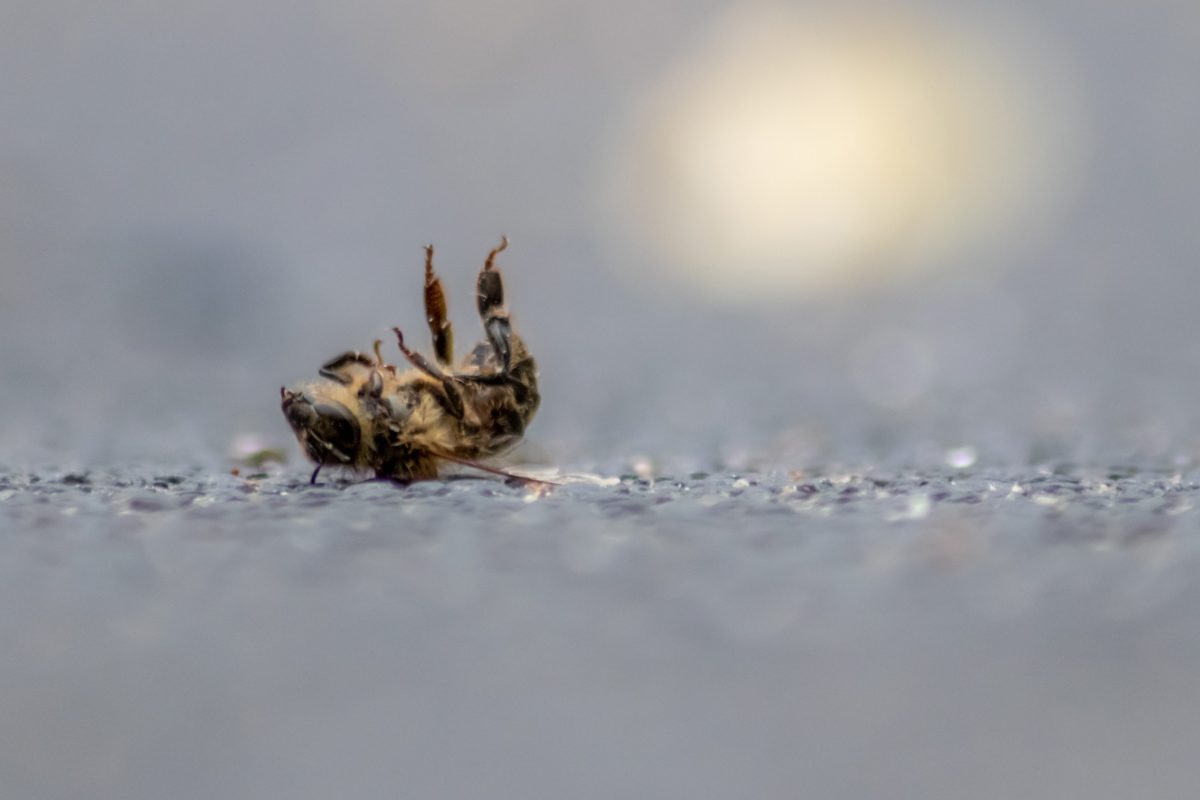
(977, 632)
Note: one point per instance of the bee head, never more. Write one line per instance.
(327, 430)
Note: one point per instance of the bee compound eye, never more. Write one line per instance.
(335, 425)
(298, 409)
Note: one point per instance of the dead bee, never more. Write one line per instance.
(367, 416)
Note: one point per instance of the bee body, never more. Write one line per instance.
(368, 416)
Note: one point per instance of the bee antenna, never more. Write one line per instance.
(487, 265)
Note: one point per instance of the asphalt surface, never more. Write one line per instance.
(977, 631)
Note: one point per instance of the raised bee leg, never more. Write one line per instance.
(339, 368)
(435, 313)
(490, 298)
(379, 362)
(449, 384)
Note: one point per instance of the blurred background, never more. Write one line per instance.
(743, 234)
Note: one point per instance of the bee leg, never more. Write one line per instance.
(435, 312)
(490, 299)
(417, 360)
(490, 288)
(313, 480)
(454, 401)
(336, 368)
(467, 462)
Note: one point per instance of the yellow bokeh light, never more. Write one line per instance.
(798, 153)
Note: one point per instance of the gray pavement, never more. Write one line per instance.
(837, 633)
